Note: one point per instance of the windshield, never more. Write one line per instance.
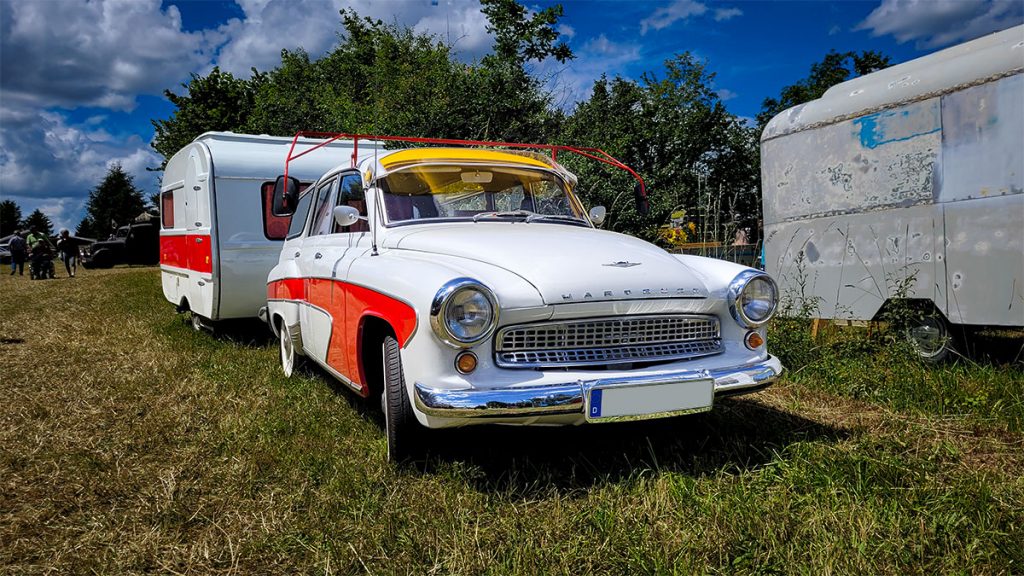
(472, 192)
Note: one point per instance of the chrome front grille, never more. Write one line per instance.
(616, 340)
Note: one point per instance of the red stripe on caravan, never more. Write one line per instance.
(189, 251)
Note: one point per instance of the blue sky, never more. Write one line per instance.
(80, 95)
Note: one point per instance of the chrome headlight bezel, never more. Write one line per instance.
(736, 288)
(439, 311)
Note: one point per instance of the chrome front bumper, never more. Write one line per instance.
(570, 398)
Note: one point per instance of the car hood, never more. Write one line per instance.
(564, 263)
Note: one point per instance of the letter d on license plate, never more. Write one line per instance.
(650, 400)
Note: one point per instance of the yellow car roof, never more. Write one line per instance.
(417, 155)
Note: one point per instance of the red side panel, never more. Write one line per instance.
(348, 305)
(173, 251)
(287, 289)
(189, 251)
(200, 253)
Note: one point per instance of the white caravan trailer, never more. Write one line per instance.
(905, 184)
(220, 233)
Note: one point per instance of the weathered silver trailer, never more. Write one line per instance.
(907, 183)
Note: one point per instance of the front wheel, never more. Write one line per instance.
(400, 423)
(931, 338)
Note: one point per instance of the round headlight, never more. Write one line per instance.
(463, 313)
(753, 297)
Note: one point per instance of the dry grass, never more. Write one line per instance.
(130, 444)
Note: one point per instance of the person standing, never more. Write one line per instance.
(68, 248)
(40, 251)
(19, 253)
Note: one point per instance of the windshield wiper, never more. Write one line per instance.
(508, 214)
(556, 217)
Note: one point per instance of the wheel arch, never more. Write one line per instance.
(369, 344)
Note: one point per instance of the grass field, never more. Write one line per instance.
(130, 443)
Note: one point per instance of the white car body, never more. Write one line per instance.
(215, 250)
(333, 295)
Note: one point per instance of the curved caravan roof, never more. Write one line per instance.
(973, 62)
(261, 156)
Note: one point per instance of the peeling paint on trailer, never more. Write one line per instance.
(924, 199)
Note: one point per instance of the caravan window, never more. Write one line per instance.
(167, 209)
(275, 227)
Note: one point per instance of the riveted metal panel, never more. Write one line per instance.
(982, 137)
(877, 161)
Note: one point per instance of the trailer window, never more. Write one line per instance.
(167, 209)
(275, 227)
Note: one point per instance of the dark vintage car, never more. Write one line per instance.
(137, 243)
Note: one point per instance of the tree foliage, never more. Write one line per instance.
(10, 217)
(39, 222)
(834, 68)
(113, 202)
(677, 134)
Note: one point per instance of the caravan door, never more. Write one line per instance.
(199, 244)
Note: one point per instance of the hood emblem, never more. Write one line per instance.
(622, 264)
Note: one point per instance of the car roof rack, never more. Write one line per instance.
(328, 137)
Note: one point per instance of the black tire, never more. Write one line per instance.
(403, 432)
(290, 358)
(930, 336)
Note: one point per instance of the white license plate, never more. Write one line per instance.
(650, 401)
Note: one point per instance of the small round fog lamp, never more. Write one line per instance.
(753, 340)
(465, 362)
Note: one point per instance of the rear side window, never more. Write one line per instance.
(299, 217)
(167, 209)
(275, 226)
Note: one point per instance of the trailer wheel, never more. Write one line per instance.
(399, 422)
(931, 338)
(289, 358)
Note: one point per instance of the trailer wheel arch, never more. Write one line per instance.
(926, 328)
(183, 306)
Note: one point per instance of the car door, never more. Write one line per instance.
(317, 313)
(345, 245)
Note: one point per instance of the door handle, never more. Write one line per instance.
(318, 256)
(297, 254)
(199, 240)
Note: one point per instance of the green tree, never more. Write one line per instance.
(217, 101)
(675, 131)
(41, 222)
(113, 202)
(834, 68)
(10, 217)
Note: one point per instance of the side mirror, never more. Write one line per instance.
(640, 196)
(286, 196)
(597, 215)
(345, 215)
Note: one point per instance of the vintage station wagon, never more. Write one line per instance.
(470, 286)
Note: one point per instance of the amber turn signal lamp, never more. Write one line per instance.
(753, 340)
(465, 362)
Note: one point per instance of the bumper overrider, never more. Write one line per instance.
(578, 396)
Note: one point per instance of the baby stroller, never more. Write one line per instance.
(41, 262)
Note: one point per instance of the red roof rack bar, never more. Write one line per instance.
(328, 137)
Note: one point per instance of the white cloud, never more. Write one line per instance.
(835, 29)
(48, 163)
(935, 23)
(726, 94)
(571, 82)
(727, 13)
(665, 16)
(101, 53)
(567, 31)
